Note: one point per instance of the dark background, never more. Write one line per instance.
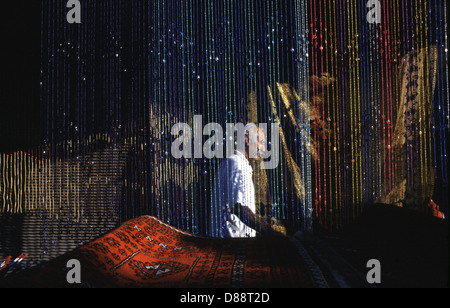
(20, 75)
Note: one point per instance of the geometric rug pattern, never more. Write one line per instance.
(147, 253)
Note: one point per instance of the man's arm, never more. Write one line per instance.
(252, 220)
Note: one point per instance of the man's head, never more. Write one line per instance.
(255, 141)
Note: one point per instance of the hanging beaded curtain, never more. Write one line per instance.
(113, 86)
(359, 90)
(381, 100)
(220, 60)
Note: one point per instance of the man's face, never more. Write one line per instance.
(259, 141)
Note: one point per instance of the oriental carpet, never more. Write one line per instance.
(145, 252)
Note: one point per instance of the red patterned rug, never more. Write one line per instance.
(144, 252)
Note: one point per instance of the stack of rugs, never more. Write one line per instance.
(147, 253)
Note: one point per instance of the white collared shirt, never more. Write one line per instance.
(233, 184)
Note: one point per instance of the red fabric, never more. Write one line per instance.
(144, 252)
(432, 209)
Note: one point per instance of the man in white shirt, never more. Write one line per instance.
(233, 206)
